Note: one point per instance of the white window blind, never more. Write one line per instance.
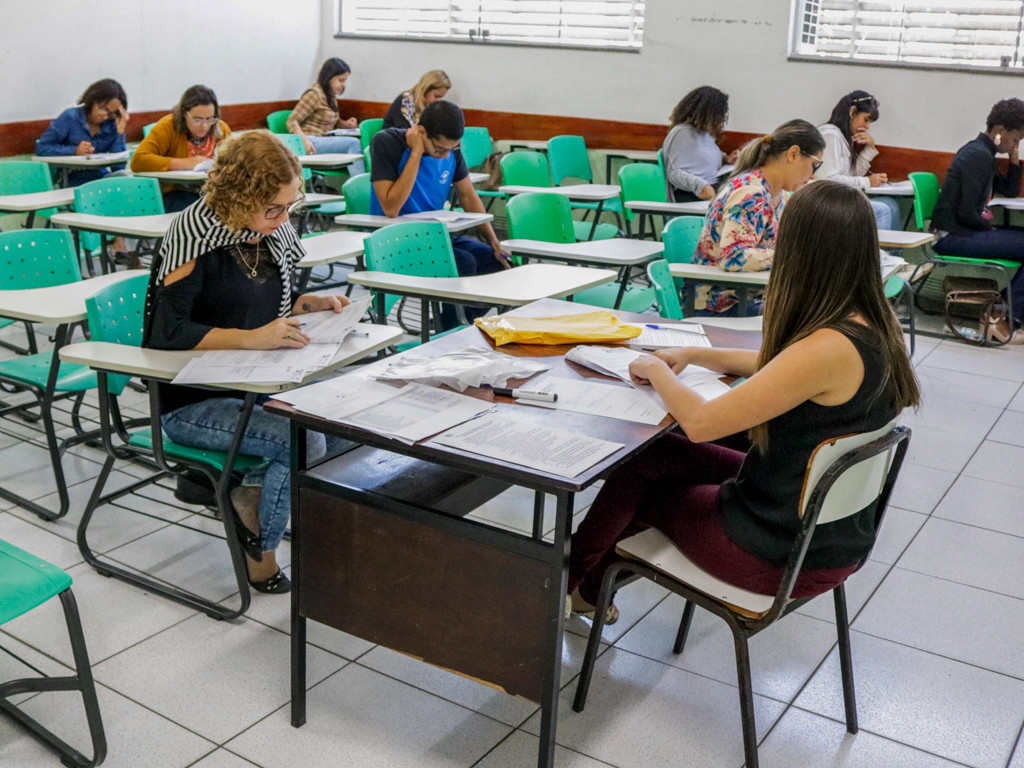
(617, 24)
(961, 33)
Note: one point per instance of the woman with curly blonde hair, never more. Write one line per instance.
(224, 281)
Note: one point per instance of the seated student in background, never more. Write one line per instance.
(832, 363)
(182, 140)
(95, 126)
(414, 170)
(742, 224)
(316, 113)
(406, 109)
(225, 282)
(849, 150)
(962, 218)
(691, 152)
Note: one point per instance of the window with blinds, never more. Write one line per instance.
(975, 34)
(605, 24)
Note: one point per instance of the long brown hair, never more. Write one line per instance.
(798, 133)
(826, 269)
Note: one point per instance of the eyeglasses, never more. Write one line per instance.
(440, 148)
(817, 162)
(274, 211)
(203, 120)
(109, 112)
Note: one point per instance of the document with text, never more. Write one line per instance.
(600, 398)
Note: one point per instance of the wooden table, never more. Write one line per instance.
(32, 202)
(586, 193)
(377, 544)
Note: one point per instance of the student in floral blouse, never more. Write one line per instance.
(740, 228)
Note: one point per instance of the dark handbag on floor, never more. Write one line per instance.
(969, 299)
(492, 167)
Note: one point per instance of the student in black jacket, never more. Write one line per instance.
(961, 214)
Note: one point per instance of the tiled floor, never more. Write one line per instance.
(938, 616)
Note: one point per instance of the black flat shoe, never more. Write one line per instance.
(278, 584)
(251, 544)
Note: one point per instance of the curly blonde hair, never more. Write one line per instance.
(249, 171)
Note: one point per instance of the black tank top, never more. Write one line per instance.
(760, 506)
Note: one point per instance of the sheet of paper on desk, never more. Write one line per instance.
(417, 412)
(103, 157)
(205, 165)
(707, 384)
(555, 451)
(600, 398)
(891, 264)
(343, 132)
(195, 372)
(226, 366)
(336, 398)
(666, 336)
(613, 361)
(334, 327)
(440, 216)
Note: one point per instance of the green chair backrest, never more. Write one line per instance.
(416, 248)
(661, 161)
(926, 194)
(665, 292)
(277, 121)
(294, 142)
(680, 237)
(526, 169)
(357, 194)
(476, 146)
(26, 581)
(117, 196)
(569, 159)
(641, 181)
(540, 216)
(22, 177)
(115, 314)
(146, 129)
(37, 258)
(368, 129)
(366, 158)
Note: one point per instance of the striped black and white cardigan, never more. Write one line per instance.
(198, 230)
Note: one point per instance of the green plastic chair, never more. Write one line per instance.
(570, 162)
(530, 169)
(680, 237)
(116, 315)
(926, 194)
(327, 210)
(116, 196)
(547, 217)
(641, 181)
(23, 177)
(277, 121)
(357, 193)
(27, 582)
(665, 292)
(895, 288)
(366, 158)
(146, 129)
(368, 129)
(476, 146)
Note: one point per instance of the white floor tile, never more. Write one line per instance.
(1017, 404)
(998, 462)
(644, 714)
(925, 701)
(18, 661)
(214, 677)
(35, 539)
(783, 657)
(222, 759)
(919, 488)
(1009, 429)
(954, 416)
(967, 555)
(859, 589)
(520, 751)
(361, 718)
(1002, 363)
(26, 470)
(964, 387)
(803, 739)
(984, 504)
(898, 528)
(937, 449)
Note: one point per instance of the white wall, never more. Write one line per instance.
(736, 45)
(246, 50)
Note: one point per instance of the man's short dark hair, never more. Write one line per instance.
(1008, 113)
(443, 120)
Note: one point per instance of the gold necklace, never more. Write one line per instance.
(241, 257)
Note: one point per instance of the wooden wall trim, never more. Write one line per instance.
(19, 138)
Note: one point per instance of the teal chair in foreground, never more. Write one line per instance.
(277, 121)
(115, 196)
(680, 237)
(665, 292)
(27, 582)
(357, 194)
(547, 217)
(641, 181)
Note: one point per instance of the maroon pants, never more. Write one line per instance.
(674, 486)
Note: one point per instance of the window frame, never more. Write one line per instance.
(797, 8)
(339, 35)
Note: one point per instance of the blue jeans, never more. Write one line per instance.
(887, 212)
(210, 424)
(1001, 243)
(342, 144)
(472, 257)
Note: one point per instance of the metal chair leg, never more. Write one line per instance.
(594, 640)
(746, 698)
(684, 628)
(845, 658)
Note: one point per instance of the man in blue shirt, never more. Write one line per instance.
(414, 170)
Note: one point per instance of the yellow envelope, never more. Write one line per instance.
(563, 329)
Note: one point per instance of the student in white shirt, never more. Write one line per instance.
(849, 150)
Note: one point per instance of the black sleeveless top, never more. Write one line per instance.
(760, 506)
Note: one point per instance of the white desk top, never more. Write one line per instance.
(585, 192)
(129, 226)
(619, 251)
(59, 303)
(374, 221)
(509, 287)
(88, 161)
(708, 273)
(696, 208)
(633, 154)
(328, 160)
(893, 189)
(332, 248)
(1009, 203)
(897, 238)
(165, 364)
(37, 201)
(313, 199)
(529, 143)
(478, 178)
(182, 177)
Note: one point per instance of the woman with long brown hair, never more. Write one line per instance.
(832, 363)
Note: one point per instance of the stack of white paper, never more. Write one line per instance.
(334, 327)
(612, 361)
(665, 336)
(443, 216)
(600, 398)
